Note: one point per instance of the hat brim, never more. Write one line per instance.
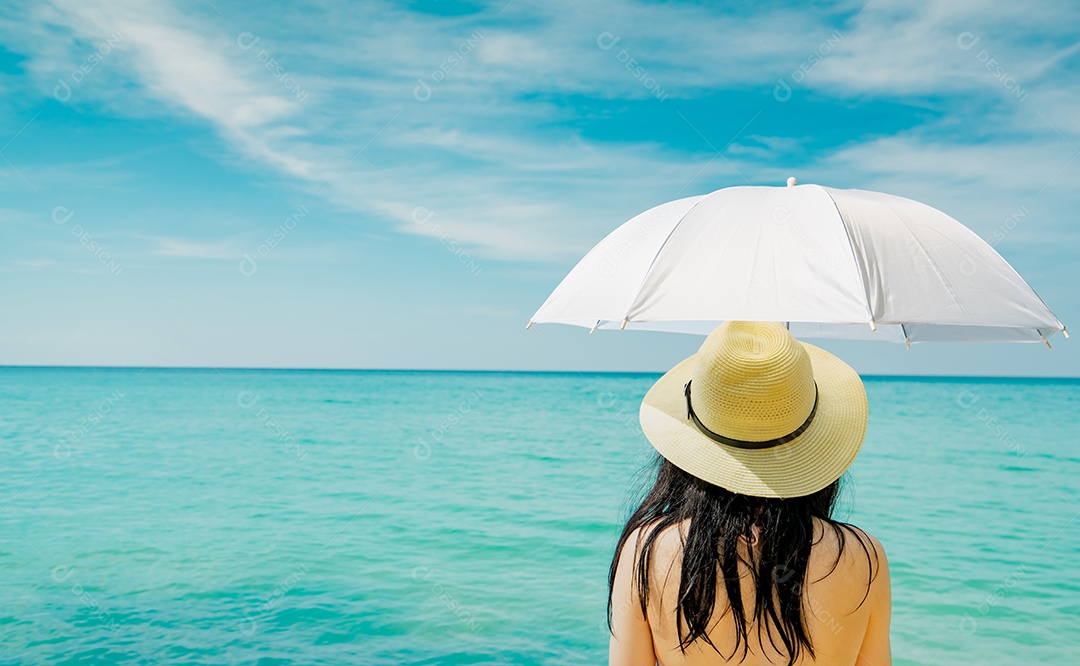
(803, 466)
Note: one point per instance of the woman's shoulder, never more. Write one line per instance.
(830, 537)
(834, 535)
(664, 541)
(848, 550)
(837, 547)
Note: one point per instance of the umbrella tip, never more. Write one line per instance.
(528, 326)
(792, 182)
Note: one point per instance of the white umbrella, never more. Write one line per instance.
(831, 263)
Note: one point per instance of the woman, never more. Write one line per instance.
(733, 556)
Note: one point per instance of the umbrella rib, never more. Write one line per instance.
(854, 255)
(1020, 278)
(656, 257)
(903, 223)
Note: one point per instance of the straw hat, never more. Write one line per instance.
(759, 413)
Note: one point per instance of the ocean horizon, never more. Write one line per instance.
(179, 515)
(630, 373)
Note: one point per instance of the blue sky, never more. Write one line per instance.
(402, 184)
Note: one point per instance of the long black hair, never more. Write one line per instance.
(717, 518)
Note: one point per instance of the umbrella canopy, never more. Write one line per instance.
(830, 263)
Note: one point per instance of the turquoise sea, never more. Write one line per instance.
(326, 517)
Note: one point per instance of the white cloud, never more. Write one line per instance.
(177, 247)
(473, 153)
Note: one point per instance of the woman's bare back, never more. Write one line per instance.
(847, 621)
